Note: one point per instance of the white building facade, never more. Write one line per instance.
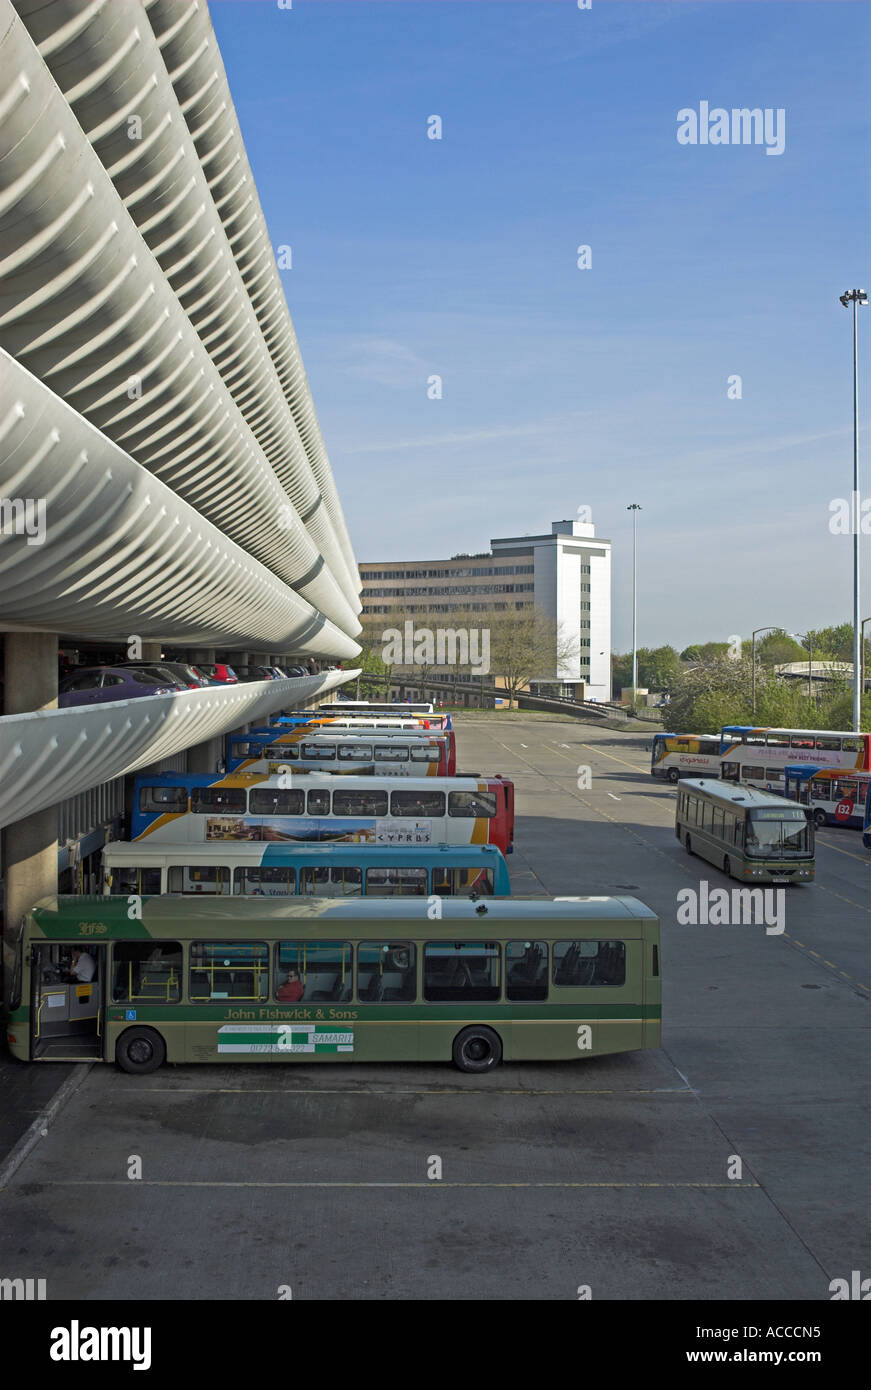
(572, 584)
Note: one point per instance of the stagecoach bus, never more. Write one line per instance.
(747, 833)
(247, 868)
(866, 831)
(760, 757)
(294, 979)
(833, 797)
(685, 755)
(371, 719)
(311, 807)
(401, 707)
(359, 721)
(396, 752)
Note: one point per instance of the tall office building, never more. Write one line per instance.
(565, 574)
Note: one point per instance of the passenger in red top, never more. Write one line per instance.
(293, 988)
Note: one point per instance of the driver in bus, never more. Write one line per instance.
(83, 967)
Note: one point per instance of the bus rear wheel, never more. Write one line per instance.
(819, 819)
(477, 1049)
(140, 1050)
(727, 867)
(688, 845)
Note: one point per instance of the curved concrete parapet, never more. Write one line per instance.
(193, 61)
(86, 307)
(113, 551)
(106, 61)
(50, 755)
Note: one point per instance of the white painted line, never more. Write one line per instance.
(615, 798)
(39, 1128)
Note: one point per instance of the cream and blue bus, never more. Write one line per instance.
(244, 868)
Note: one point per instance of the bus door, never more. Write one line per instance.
(68, 1005)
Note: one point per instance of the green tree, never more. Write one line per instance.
(371, 663)
(777, 648)
(526, 644)
(660, 669)
(621, 671)
(713, 692)
(704, 651)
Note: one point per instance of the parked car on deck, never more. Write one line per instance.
(184, 674)
(255, 673)
(96, 685)
(218, 674)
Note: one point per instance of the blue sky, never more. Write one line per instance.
(565, 387)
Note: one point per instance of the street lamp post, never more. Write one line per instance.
(856, 297)
(772, 627)
(634, 508)
(862, 646)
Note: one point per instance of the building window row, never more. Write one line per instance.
(407, 610)
(467, 572)
(446, 592)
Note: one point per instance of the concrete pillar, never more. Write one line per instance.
(29, 845)
(152, 651)
(204, 757)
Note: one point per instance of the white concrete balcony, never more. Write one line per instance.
(50, 755)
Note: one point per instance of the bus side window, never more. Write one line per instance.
(146, 970)
(526, 970)
(386, 971)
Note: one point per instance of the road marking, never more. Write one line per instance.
(863, 859)
(615, 798)
(415, 1091)
(427, 1185)
(39, 1129)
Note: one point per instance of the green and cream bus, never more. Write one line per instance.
(327, 980)
(749, 834)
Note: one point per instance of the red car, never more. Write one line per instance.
(219, 674)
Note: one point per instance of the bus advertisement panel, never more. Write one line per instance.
(305, 807)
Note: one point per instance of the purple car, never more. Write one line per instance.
(97, 685)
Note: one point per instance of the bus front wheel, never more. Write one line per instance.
(673, 774)
(727, 867)
(819, 819)
(477, 1049)
(140, 1050)
(688, 845)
